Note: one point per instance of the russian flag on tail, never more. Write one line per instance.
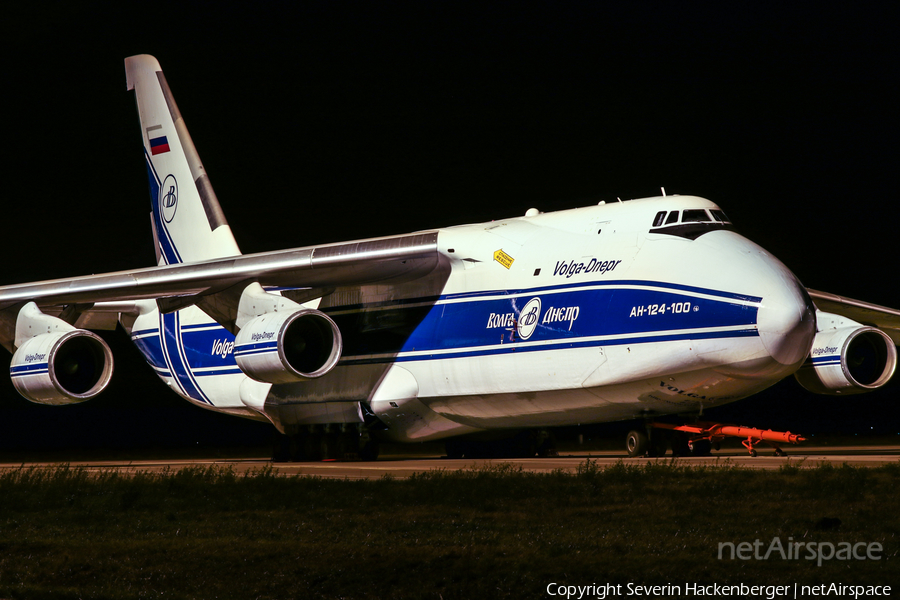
(158, 144)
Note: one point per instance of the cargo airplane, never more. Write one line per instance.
(491, 331)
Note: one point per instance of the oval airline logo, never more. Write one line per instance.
(168, 198)
(528, 318)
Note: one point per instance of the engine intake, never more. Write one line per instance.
(62, 367)
(282, 347)
(850, 360)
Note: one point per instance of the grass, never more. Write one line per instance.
(496, 532)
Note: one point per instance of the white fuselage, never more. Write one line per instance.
(594, 314)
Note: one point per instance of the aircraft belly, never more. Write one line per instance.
(607, 384)
(676, 393)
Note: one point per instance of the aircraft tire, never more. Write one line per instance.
(637, 443)
(701, 448)
(680, 446)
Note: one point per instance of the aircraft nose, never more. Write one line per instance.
(787, 317)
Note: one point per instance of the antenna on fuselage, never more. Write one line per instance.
(663, 190)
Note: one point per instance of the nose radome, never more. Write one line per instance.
(787, 318)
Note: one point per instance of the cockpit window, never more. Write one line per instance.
(694, 222)
(660, 217)
(719, 215)
(695, 215)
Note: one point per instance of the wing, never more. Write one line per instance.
(357, 262)
(216, 284)
(866, 313)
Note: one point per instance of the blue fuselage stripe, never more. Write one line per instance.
(169, 324)
(564, 313)
(582, 315)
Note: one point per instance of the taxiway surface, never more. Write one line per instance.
(405, 465)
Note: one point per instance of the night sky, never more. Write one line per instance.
(336, 121)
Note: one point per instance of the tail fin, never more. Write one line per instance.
(188, 223)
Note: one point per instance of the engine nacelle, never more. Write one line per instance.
(849, 360)
(284, 347)
(62, 367)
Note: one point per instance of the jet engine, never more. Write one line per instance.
(61, 367)
(849, 360)
(284, 347)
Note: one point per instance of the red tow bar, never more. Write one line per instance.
(716, 432)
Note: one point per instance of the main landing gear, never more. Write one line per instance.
(326, 442)
(699, 438)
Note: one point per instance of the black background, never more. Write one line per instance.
(332, 121)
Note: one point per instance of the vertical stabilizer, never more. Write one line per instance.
(188, 223)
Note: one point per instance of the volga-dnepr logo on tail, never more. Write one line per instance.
(168, 198)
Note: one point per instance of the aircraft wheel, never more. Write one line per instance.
(779, 452)
(680, 445)
(753, 453)
(700, 447)
(637, 443)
